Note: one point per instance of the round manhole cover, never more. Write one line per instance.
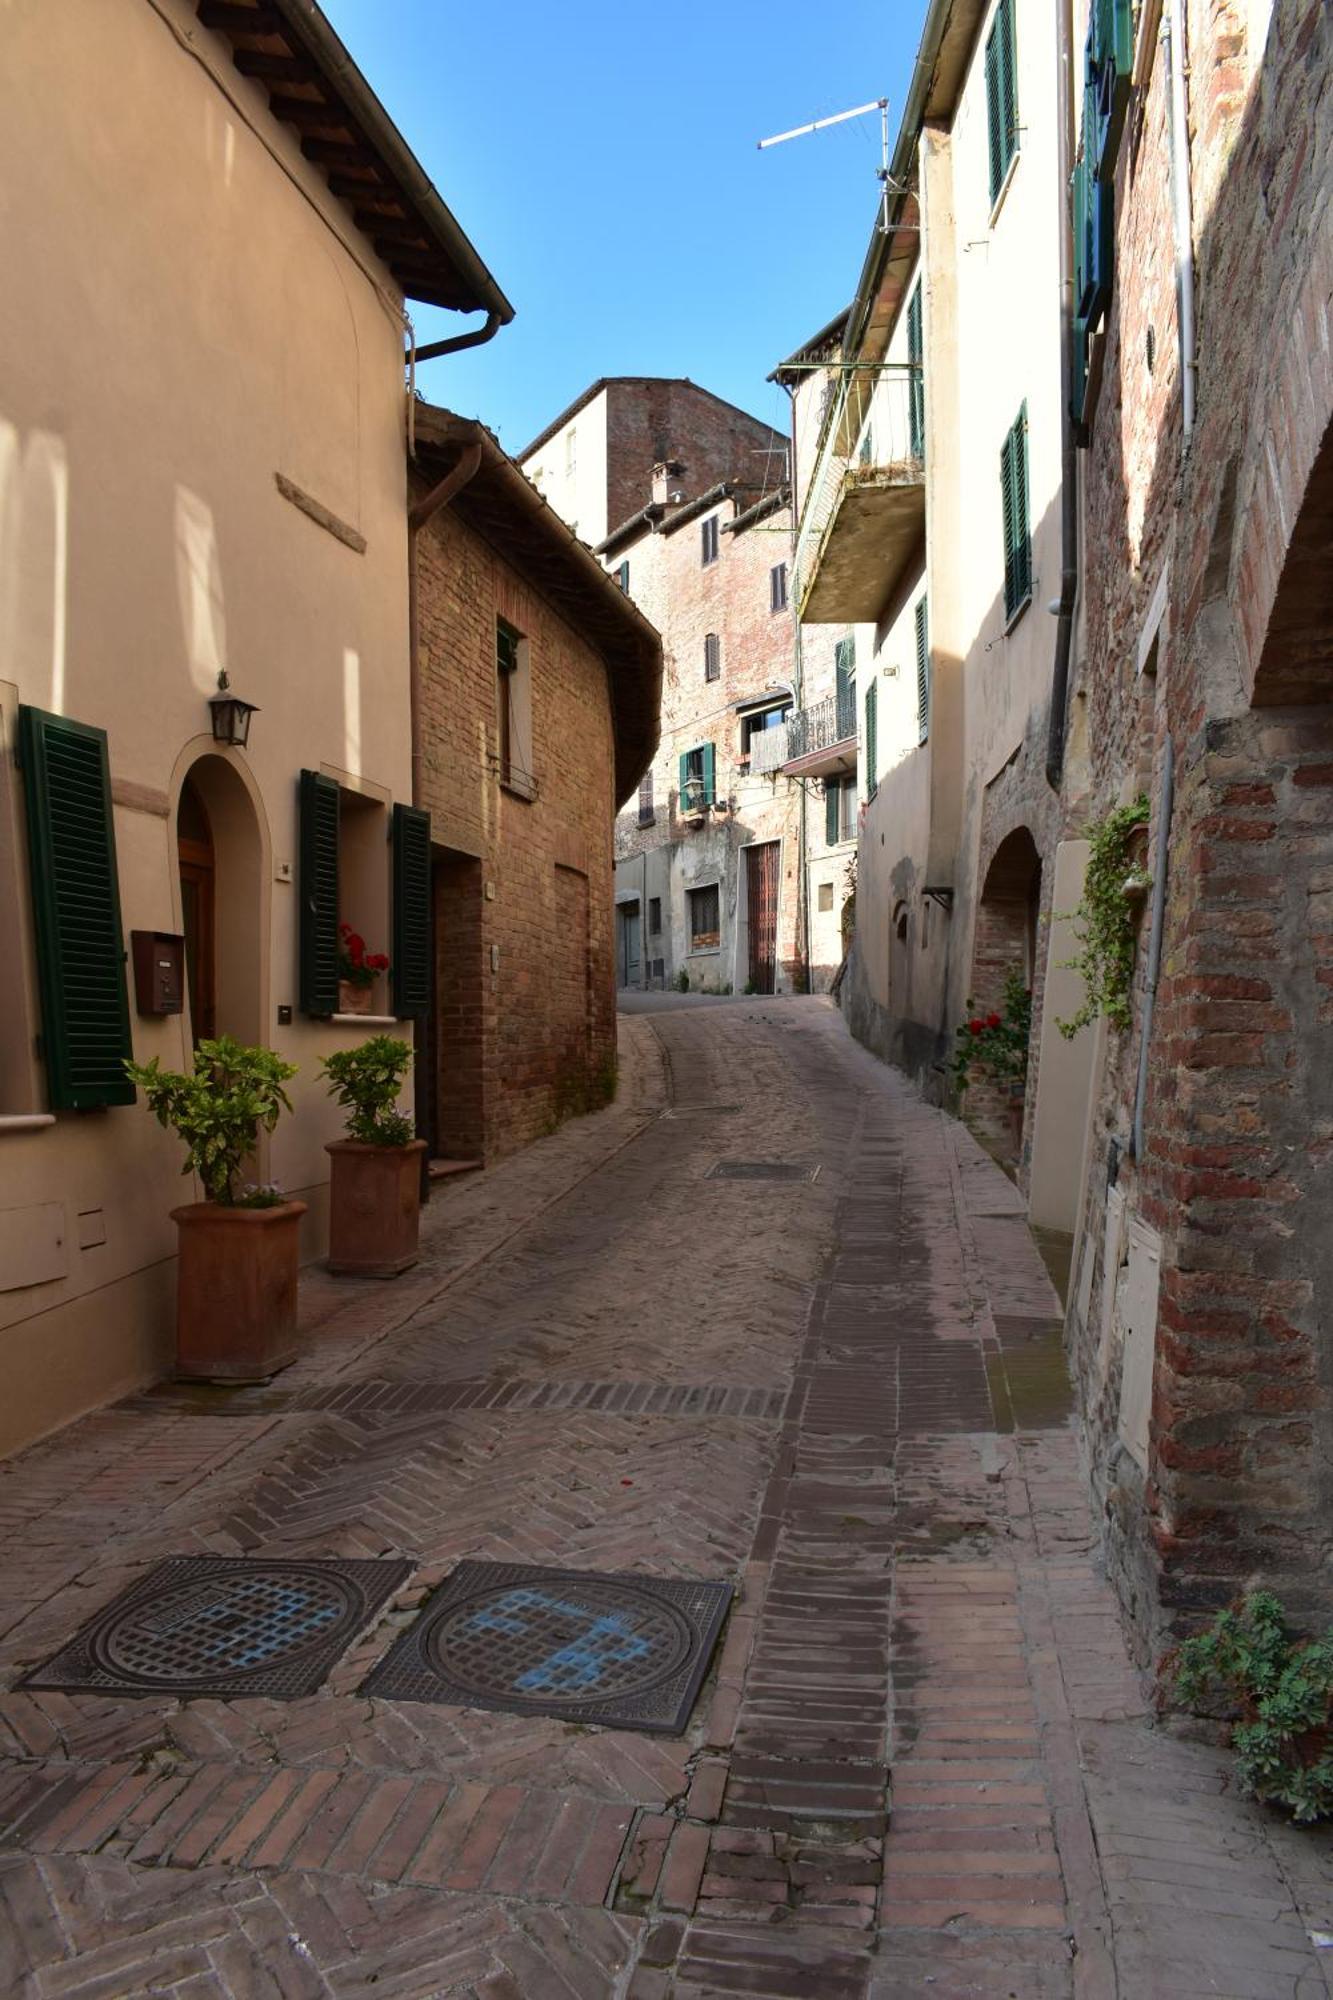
(197, 1630)
(568, 1642)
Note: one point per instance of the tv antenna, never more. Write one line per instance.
(880, 104)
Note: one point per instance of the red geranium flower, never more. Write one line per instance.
(378, 962)
(356, 947)
(992, 1020)
(975, 1027)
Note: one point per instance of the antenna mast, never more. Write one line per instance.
(880, 104)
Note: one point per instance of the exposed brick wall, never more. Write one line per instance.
(531, 1038)
(650, 422)
(1239, 1110)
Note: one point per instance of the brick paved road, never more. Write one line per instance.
(844, 1394)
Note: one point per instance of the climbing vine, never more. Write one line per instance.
(995, 1045)
(1282, 1692)
(1104, 921)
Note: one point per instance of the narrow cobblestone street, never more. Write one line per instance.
(921, 1762)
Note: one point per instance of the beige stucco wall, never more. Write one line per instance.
(570, 470)
(186, 312)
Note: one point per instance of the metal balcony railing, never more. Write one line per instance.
(823, 724)
(875, 427)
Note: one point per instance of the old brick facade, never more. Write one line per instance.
(523, 1032)
(1209, 593)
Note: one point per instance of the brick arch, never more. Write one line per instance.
(1296, 662)
(1007, 912)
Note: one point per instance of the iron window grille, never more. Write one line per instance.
(705, 918)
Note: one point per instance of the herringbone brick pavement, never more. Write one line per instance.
(920, 1762)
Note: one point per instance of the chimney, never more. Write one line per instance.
(665, 474)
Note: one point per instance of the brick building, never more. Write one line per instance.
(1203, 1292)
(730, 865)
(535, 713)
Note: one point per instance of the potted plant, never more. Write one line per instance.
(358, 969)
(375, 1179)
(238, 1249)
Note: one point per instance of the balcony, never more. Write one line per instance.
(814, 742)
(865, 512)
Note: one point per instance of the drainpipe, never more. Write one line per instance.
(1173, 30)
(1155, 939)
(1064, 630)
(458, 341)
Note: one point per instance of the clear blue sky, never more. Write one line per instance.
(603, 160)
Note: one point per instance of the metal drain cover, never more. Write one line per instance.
(759, 1170)
(222, 1625)
(626, 1651)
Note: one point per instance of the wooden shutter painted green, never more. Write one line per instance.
(411, 967)
(922, 671)
(319, 894)
(710, 770)
(832, 810)
(1001, 96)
(872, 741)
(1014, 501)
(684, 777)
(76, 912)
(916, 382)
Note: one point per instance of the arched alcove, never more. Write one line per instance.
(220, 856)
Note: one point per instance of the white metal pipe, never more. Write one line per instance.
(1174, 32)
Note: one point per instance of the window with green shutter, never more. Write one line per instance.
(698, 775)
(844, 671)
(832, 810)
(1001, 96)
(76, 911)
(916, 354)
(922, 621)
(1014, 505)
(319, 894)
(872, 741)
(411, 954)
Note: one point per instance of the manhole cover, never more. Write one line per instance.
(222, 1625)
(627, 1651)
(759, 1170)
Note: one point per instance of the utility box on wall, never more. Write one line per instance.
(159, 971)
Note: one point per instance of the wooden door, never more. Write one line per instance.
(629, 944)
(194, 843)
(761, 892)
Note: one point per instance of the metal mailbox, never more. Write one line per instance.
(159, 971)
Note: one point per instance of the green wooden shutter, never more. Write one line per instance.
(994, 144)
(684, 777)
(710, 768)
(916, 352)
(922, 671)
(411, 967)
(76, 912)
(1008, 81)
(319, 894)
(1014, 500)
(832, 805)
(1001, 96)
(872, 741)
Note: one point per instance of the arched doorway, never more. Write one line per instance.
(1004, 944)
(219, 852)
(194, 853)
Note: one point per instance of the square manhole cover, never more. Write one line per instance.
(760, 1170)
(626, 1651)
(224, 1625)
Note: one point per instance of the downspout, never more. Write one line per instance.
(455, 345)
(417, 518)
(1064, 630)
(1155, 938)
(1173, 30)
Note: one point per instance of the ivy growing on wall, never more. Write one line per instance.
(1105, 920)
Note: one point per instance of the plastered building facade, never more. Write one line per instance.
(201, 470)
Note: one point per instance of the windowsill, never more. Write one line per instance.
(517, 789)
(704, 951)
(1016, 614)
(365, 1020)
(25, 1121)
(1005, 185)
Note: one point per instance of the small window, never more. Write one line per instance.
(761, 719)
(712, 657)
(697, 778)
(872, 741)
(709, 540)
(655, 916)
(622, 577)
(1014, 507)
(826, 895)
(647, 814)
(839, 810)
(777, 587)
(514, 709)
(705, 924)
(1001, 97)
(922, 671)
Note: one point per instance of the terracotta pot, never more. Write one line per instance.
(355, 999)
(374, 1207)
(236, 1278)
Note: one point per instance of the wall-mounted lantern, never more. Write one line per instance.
(231, 715)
